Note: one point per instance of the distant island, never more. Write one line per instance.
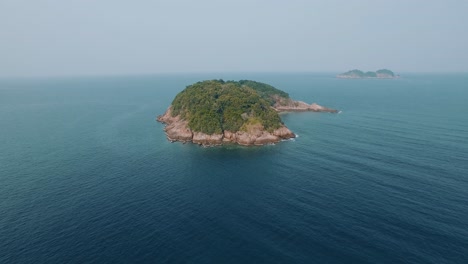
(358, 74)
(245, 112)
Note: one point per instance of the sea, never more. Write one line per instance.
(88, 176)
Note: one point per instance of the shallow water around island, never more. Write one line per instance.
(87, 175)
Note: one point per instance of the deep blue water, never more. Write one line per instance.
(87, 176)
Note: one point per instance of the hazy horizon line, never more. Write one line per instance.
(79, 75)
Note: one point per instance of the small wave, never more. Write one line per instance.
(339, 112)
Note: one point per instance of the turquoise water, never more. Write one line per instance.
(86, 175)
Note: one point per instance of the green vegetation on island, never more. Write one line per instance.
(353, 74)
(214, 106)
(385, 72)
(265, 91)
(218, 112)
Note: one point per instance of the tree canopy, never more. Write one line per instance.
(385, 72)
(214, 106)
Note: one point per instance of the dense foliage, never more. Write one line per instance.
(213, 106)
(355, 73)
(265, 91)
(385, 72)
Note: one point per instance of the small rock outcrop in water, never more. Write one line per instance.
(289, 105)
(215, 112)
(358, 74)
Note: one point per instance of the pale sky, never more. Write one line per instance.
(102, 37)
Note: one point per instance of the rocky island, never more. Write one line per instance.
(245, 112)
(358, 74)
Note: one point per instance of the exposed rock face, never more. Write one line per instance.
(177, 130)
(284, 105)
(204, 139)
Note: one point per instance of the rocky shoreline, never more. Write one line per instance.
(289, 105)
(177, 129)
